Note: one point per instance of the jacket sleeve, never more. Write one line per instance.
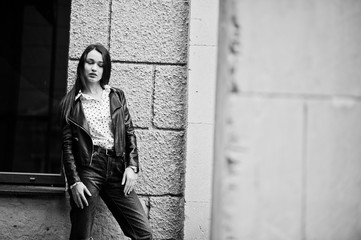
(131, 149)
(68, 157)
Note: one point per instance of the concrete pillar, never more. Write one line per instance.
(287, 155)
(202, 59)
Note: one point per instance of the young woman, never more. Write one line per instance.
(100, 154)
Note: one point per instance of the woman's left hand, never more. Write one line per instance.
(129, 179)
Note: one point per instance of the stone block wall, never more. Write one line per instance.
(34, 216)
(148, 45)
(288, 121)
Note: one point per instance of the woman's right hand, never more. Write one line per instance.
(78, 192)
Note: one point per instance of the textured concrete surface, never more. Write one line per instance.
(149, 31)
(72, 65)
(105, 225)
(167, 217)
(170, 97)
(34, 217)
(89, 24)
(162, 162)
(137, 83)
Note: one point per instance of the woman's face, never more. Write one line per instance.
(93, 67)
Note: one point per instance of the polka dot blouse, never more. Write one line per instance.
(97, 114)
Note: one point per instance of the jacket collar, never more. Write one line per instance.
(80, 94)
(77, 114)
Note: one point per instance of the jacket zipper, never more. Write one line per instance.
(91, 157)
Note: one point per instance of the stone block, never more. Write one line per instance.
(203, 23)
(333, 170)
(199, 168)
(197, 220)
(260, 189)
(105, 225)
(137, 83)
(149, 31)
(166, 217)
(71, 74)
(201, 84)
(32, 218)
(299, 48)
(162, 162)
(170, 97)
(89, 24)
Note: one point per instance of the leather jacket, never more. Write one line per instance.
(78, 146)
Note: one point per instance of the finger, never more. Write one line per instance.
(80, 204)
(83, 199)
(126, 188)
(123, 180)
(131, 186)
(75, 199)
(130, 189)
(87, 191)
(76, 203)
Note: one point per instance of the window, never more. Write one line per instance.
(33, 56)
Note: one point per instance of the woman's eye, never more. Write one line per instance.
(100, 64)
(89, 61)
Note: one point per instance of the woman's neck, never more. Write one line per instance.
(94, 90)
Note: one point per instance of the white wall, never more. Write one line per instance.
(288, 133)
(200, 119)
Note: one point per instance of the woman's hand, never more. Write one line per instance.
(130, 179)
(78, 194)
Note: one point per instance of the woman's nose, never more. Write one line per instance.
(94, 67)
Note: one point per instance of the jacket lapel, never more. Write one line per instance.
(77, 116)
(77, 113)
(115, 102)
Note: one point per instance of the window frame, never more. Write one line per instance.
(36, 180)
(33, 179)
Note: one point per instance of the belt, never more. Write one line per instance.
(108, 152)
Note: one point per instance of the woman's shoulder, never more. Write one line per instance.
(116, 90)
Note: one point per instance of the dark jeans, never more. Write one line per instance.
(103, 179)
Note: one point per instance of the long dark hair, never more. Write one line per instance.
(67, 102)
